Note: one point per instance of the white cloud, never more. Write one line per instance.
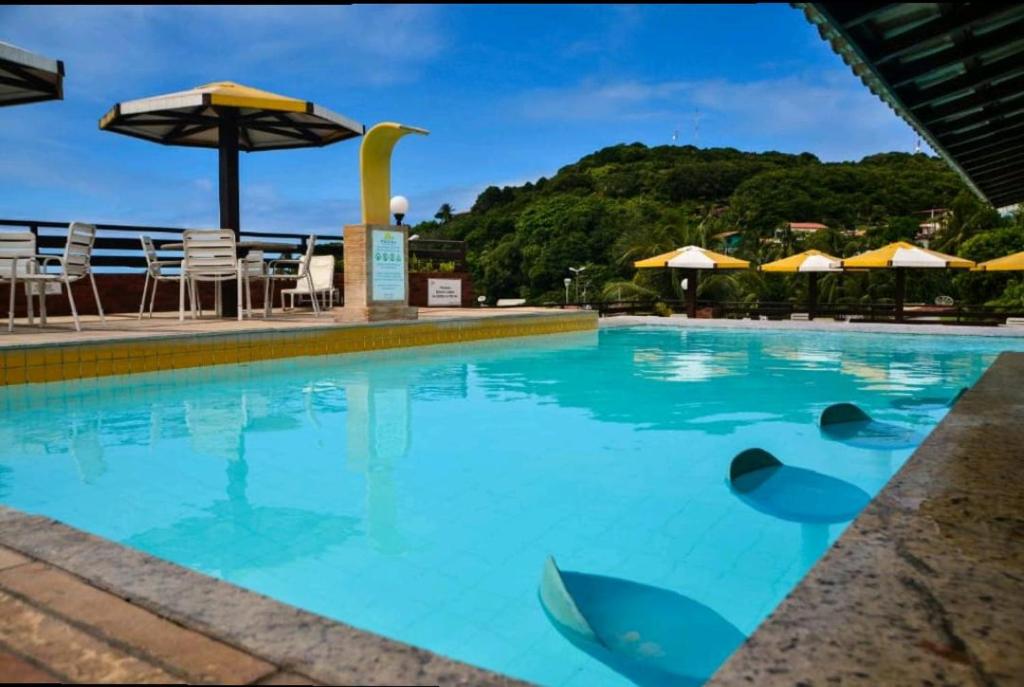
(109, 51)
(829, 113)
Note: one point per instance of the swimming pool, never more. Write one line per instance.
(418, 493)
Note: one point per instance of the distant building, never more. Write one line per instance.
(728, 240)
(935, 221)
(799, 229)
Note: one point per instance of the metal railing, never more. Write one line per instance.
(118, 249)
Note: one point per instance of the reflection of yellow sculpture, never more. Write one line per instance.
(375, 168)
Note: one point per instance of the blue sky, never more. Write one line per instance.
(509, 94)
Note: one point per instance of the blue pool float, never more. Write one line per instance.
(928, 402)
(651, 636)
(761, 481)
(850, 425)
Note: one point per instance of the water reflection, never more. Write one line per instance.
(378, 424)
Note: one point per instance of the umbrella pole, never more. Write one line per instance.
(901, 285)
(691, 293)
(229, 215)
(812, 295)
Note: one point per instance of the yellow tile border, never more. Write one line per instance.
(63, 362)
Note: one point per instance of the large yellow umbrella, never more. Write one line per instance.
(692, 259)
(1007, 263)
(229, 117)
(28, 78)
(813, 262)
(901, 256)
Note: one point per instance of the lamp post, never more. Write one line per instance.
(399, 208)
(567, 281)
(576, 271)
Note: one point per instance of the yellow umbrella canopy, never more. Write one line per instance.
(812, 262)
(901, 256)
(28, 78)
(1007, 263)
(259, 120)
(808, 261)
(230, 117)
(696, 258)
(692, 259)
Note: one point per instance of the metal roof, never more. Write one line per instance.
(954, 71)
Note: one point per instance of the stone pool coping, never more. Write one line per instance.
(926, 586)
(273, 638)
(139, 350)
(820, 325)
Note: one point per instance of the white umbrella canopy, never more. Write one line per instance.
(26, 77)
(820, 263)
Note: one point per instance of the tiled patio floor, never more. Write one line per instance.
(123, 326)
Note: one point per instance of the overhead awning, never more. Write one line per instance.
(28, 78)
(953, 71)
(262, 120)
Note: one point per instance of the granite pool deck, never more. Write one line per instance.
(926, 586)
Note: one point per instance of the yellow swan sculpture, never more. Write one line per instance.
(375, 168)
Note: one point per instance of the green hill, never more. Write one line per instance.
(627, 202)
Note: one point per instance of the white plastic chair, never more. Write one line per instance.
(75, 264)
(251, 267)
(321, 271)
(155, 273)
(301, 274)
(209, 255)
(17, 258)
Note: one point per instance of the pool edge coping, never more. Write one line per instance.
(916, 586)
(330, 651)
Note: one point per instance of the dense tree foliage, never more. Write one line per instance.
(628, 202)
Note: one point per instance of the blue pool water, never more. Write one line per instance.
(418, 493)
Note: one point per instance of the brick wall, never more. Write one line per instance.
(418, 287)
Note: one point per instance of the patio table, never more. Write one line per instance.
(265, 246)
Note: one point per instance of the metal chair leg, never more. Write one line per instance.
(96, 295)
(10, 310)
(312, 294)
(71, 300)
(142, 303)
(181, 299)
(152, 297)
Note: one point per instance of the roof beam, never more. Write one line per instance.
(959, 141)
(971, 48)
(955, 17)
(997, 95)
(987, 116)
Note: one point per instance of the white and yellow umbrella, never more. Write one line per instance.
(1007, 263)
(693, 259)
(902, 256)
(813, 262)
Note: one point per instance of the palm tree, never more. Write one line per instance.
(444, 214)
